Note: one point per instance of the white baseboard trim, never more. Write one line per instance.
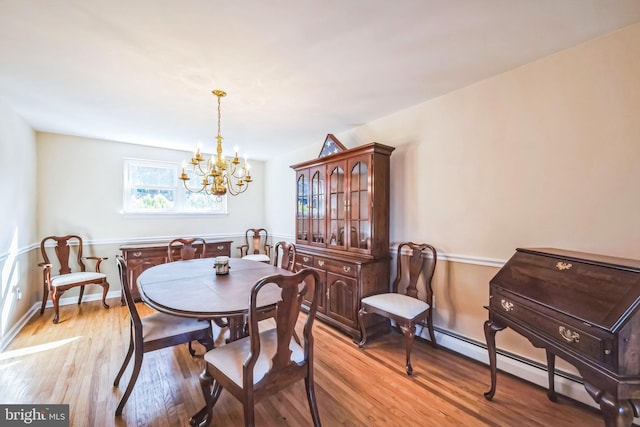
(17, 327)
(530, 371)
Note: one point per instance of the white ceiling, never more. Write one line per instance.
(142, 71)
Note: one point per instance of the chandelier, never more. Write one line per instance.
(218, 174)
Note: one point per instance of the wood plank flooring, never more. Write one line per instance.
(76, 361)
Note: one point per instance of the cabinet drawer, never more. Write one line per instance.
(138, 253)
(336, 266)
(568, 335)
(215, 249)
(304, 259)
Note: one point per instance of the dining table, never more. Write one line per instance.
(191, 288)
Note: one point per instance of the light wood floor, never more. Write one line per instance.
(76, 360)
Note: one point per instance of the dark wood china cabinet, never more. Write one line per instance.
(342, 230)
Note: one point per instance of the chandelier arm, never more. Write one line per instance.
(237, 172)
(236, 189)
(192, 190)
(199, 171)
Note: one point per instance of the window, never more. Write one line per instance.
(154, 187)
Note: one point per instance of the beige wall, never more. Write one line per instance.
(80, 191)
(18, 281)
(543, 155)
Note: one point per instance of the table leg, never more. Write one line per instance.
(236, 327)
(211, 390)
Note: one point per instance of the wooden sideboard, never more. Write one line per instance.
(344, 281)
(139, 257)
(342, 230)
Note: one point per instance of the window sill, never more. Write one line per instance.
(165, 215)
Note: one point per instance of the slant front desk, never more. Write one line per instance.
(139, 257)
(583, 308)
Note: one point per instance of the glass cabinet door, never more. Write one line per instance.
(317, 209)
(360, 228)
(336, 206)
(302, 207)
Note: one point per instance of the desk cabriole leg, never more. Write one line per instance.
(490, 329)
(551, 370)
(616, 413)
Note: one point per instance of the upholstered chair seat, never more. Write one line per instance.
(230, 357)
(84, 276)
(257, 257)
(397, 304)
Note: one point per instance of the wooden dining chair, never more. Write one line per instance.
(267, 361)
(285, 256)
(406, 309)
(154, 332)
(72, 271)
(187, 248)
(256, 245)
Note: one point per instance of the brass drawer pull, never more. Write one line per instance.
(305, 258)
(346, 269)
(563, 266)
(137, 254)
(221, 247)
(568, 335)
(507, 305)
(321, 263)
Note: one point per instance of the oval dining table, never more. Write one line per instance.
(191, 288)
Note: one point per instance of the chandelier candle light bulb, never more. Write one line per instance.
(226, 176)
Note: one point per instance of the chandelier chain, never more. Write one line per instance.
(219, 116)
